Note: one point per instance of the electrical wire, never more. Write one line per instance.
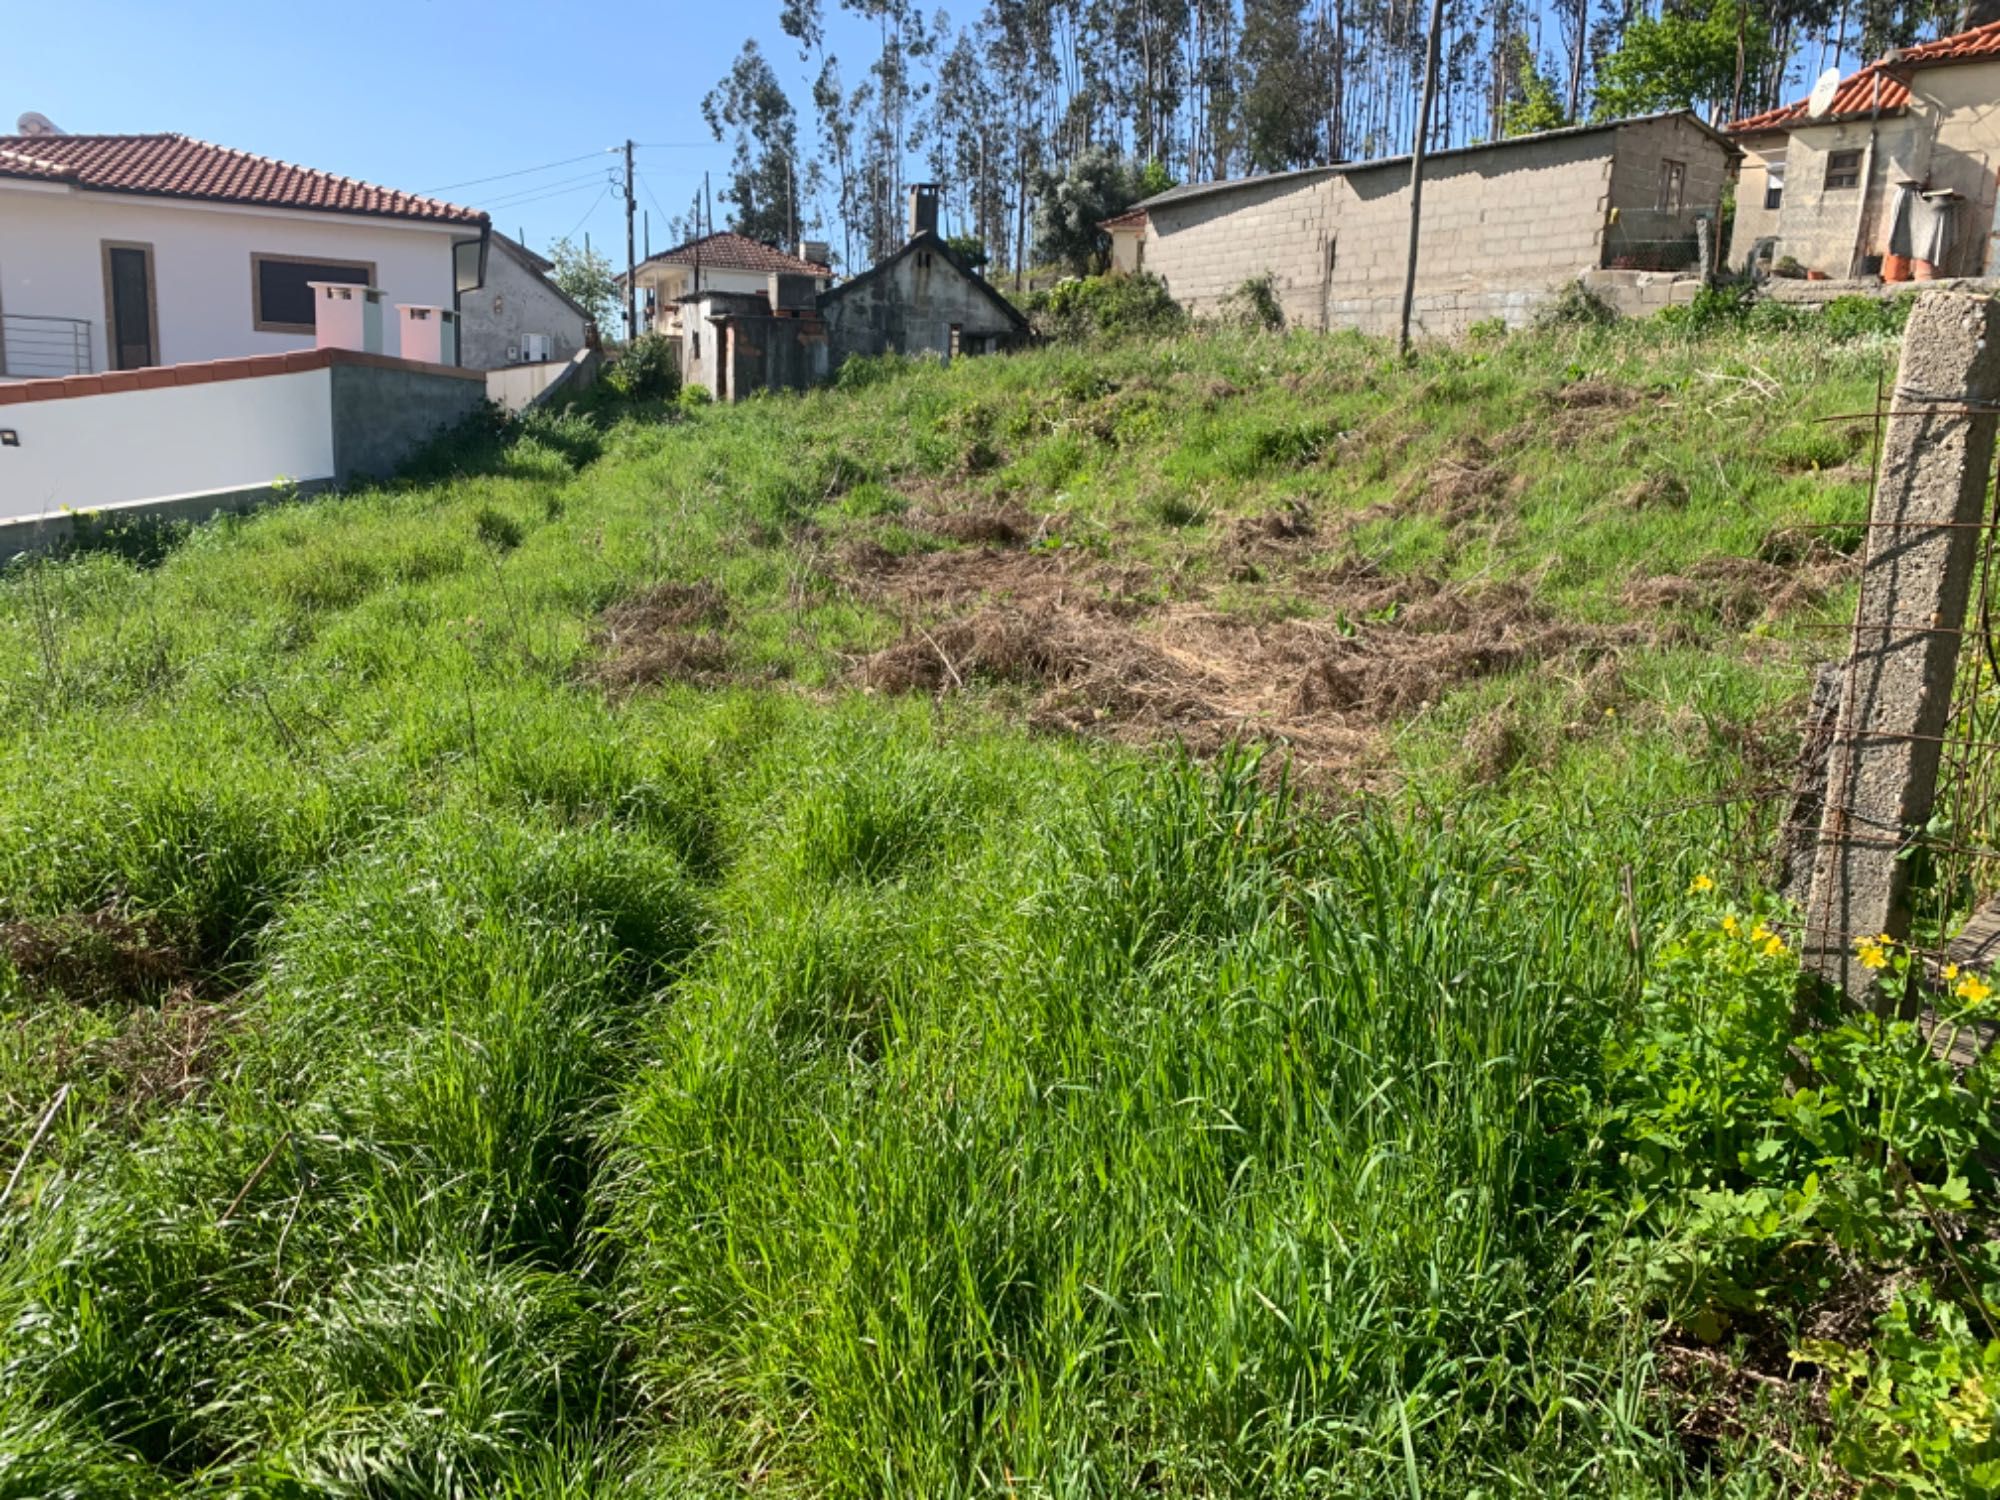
(568, 192)
(529, 193)
(586, 214)
(521, 172)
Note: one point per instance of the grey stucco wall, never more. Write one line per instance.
(910, 308)
(383, 416)
(514, 303)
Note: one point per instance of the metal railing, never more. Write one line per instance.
(34, 348)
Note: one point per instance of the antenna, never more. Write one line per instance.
(1821, 99)
(36, 123)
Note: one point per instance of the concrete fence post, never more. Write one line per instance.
(1922, 547)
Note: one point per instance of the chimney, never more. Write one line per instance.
(429, 334)
(346, 316)
(923, 208)
(815, 251)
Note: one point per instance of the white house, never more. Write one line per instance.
(123, 251)
(720, 262)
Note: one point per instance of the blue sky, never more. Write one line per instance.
(418, 95)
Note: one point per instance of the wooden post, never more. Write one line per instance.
(1417, 171)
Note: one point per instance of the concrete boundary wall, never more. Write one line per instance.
(56, 530)
(324, 417)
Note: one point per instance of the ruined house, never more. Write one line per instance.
(1890, 171)
(787, 334)
(1506, 226)
(923, 299)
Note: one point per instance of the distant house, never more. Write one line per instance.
(724, 262)
(1892, 171)
(1506, 226)
(519, 316)
(789, 331)
(922, 300)
(119, 252)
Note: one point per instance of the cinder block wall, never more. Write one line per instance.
(1503, 230)
(1753, 220)
(1206, 247)
(1818, 226)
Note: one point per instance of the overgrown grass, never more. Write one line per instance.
(442, 1065)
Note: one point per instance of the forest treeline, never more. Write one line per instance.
(998, 108)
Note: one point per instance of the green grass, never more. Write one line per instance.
(553, 1089)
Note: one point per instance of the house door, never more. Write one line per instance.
(131, 317)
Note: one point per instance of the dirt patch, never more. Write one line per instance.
(101, 957)
(673, 632)
(1325, 687)
(1290, 523)
(1737, 592)
(982, 528)
(1593, 394)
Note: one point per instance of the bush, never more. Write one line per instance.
(649, 367)
(861, 371)
(1577, 307)
(1096, 308)
(694, 396)
(1255, 305)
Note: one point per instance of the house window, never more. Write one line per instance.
(280, 299)
(1673, 186)
(1774, 185)
(1843, 170)
(957, 338)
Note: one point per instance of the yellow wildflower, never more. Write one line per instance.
(1773, 945)
(1951, 971)
(1974, 989)
(1701, 883)
(1759, 933)
(1731, 926)
(1872, 956)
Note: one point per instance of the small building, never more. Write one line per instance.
(1889, 172)
(923, 299)
(519, 316)
(721, 262)
(120, 252)
(736, 344)
(1506, 226)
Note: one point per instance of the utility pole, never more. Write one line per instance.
(1417, 171)
(631, 256)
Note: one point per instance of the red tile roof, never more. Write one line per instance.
(1857, 95)
(729, 251)
(178, 166)
(1134, 218)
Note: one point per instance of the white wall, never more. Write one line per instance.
(87, 451)
(51, 263)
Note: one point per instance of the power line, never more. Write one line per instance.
(565, 192)
(588, 211)
(520, 172)
(676, 145)
(523, 194)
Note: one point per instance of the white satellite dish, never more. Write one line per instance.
(35, 123)
(1821, 99)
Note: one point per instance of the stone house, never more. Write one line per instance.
(519, 316)
(922, 300)
(788, 333)
(1898, 160)
(1505, 226)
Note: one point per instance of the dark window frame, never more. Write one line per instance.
(259, 259)
(143, 248)
(1843, 171)
(1774, 186)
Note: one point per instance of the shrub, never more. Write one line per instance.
(1254, 304)
(1577, 307)
(497, 529)
(649, 367)
(571, 433)
(1096, 308)
(694, 396)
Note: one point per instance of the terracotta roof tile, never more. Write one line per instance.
(1857, 94)
(726, 250)
(1131, 219)
(178, 166)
